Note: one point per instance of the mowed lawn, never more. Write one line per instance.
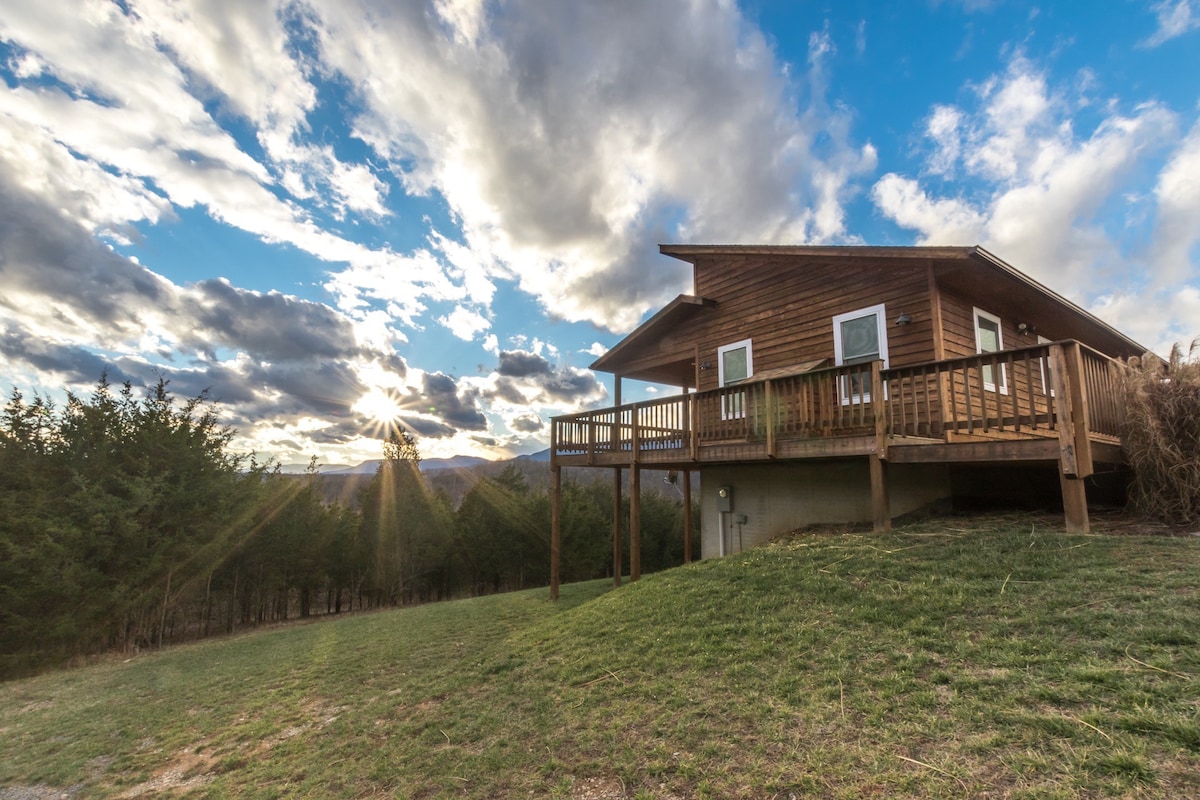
(947, 659)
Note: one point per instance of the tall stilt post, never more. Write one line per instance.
(1074, 495)
(616, 448)
(635, 523)
(687, 516)
(880, 502)
(555, 530)
(881, 514)
(616, 527)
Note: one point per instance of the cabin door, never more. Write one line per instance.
(859, 337)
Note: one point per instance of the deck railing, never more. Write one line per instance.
(1008, 393)
(1017, 393)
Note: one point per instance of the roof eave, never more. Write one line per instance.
(684, 304)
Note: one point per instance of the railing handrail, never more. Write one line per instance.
(946, 363)
(733, 387)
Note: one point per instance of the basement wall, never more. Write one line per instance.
(777, 498)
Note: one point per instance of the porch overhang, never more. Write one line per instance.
(641, 356)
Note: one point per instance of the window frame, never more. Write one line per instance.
(734, 406)
(991, 386)
(879, 311)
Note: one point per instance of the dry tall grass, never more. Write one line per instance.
(1162, 434)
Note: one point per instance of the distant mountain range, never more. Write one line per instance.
(456, 475)
(427, 464)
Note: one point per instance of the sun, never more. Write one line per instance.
(379, 405)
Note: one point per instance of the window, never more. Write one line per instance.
(735, 363)
(859, 337)
(1047, 371)
(988, 339)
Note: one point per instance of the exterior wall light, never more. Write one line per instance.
(903, 319)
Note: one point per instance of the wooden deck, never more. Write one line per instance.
(1048, 402)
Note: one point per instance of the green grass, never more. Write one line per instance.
(1015, 662)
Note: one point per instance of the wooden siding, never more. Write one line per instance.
(786, 308)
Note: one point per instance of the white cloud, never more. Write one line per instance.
(133, 138)
(1034, 191)
(596, 350)
(943, 127)
(940, 221)
(1177, 231)
(1157, 318)
(503, 120)
(1175, 18)
(465, 323)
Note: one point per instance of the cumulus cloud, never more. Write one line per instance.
(465, 323)
(503, 120)
(1178, 199)
(1053, 200)
(519, 364)
(527, 424)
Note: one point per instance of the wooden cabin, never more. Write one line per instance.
(842, 384)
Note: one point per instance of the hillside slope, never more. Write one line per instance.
(1017, 662)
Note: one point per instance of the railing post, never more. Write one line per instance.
(694, 422)
(1070, 408)
(635, 436)
(879, 403)
(1080, 410)
(769, 414)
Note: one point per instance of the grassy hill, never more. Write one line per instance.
(934, 662)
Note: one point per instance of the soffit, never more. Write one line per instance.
(639, 352)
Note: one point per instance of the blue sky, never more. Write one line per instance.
(339, 214)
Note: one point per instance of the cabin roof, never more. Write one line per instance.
(971, 270)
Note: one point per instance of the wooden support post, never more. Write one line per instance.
(555, 529)
(1070, 410)
(616, 529)
(881, 517)
(687, 516)
(770, 419)
(635, 523)
(881, 506)
(1074, 496)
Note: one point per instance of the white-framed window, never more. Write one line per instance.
(990, 339)
(859, 337)
(1047, 370)
(735, 364)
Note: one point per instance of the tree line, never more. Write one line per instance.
(129, 522)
